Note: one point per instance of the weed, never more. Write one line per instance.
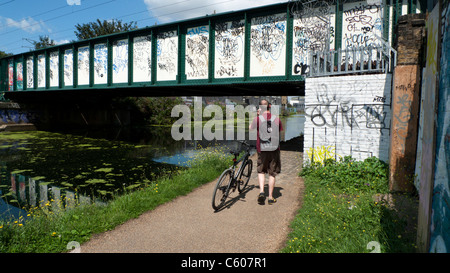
(339, 213)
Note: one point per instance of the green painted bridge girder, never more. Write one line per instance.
(260, 45)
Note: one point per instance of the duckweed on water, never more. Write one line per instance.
(80, 163)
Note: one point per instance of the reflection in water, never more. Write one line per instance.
(23, 192)
(293, 125)
(64, 169)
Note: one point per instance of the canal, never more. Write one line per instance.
(65, 168)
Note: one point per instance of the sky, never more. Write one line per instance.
(24, 20)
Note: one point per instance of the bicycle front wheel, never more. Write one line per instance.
(221, 190)
(245, 175)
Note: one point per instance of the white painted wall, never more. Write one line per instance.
(349, 113)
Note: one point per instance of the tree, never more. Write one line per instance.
(3, 54)
(99, 28)
(44, 42)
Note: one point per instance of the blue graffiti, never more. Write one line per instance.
(14, 116)
(198, 30)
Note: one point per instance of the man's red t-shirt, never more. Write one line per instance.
(253, 126)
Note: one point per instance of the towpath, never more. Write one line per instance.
(188, 224)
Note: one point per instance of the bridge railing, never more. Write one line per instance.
(372, 59)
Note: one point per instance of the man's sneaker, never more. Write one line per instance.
(261, 198)
(271, 201)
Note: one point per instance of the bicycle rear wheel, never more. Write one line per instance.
(245, 175)
(221, 190)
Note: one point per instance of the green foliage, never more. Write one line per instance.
(44, 42)
(151, 110)
(340, 213)
(332, 222)
(3, 54)
(370, 175)
(99, 28)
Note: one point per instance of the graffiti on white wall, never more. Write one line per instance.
(167, 56)
(68, 67)
(197, 52)
(83, 65)
(100, 63)
(120, 61)
(350, 113)
(19, 76)
(41, 71)
(361, 24)
(268, 45)
(30, 71)
(311, 33)
(142, 58)
(229, 53)
(10, 75)
(54, 69)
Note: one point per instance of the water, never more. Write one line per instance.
(38, 168)
(293, 126)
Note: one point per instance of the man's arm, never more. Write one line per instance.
(280, 125)
(253, 124)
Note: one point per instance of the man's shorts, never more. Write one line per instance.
(269, 162)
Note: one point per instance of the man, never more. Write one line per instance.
(268, 128)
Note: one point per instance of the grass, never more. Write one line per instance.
(49, 229)
(340, 214)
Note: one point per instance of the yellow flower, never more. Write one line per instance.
(1, 226)
(54, 234)
(20, 225)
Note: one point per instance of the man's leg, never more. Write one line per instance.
(261, 179)
(271, 186)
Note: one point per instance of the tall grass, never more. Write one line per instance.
(47, 230)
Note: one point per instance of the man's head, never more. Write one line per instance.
(264, 105)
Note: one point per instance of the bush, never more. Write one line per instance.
(150, 110)
(370, 175)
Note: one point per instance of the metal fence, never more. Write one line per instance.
(378, 59)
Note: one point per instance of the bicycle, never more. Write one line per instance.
(230, 179)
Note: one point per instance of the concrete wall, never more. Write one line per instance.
(350, 113)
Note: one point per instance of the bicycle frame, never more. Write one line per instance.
(232, 178)
(234, 175)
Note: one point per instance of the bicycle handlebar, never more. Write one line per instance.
(245, 143)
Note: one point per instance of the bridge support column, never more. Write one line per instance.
(405, 102)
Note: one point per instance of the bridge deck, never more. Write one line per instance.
(228, 51)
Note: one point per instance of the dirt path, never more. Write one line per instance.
(188, 224)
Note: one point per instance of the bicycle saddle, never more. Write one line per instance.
(235, 153)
